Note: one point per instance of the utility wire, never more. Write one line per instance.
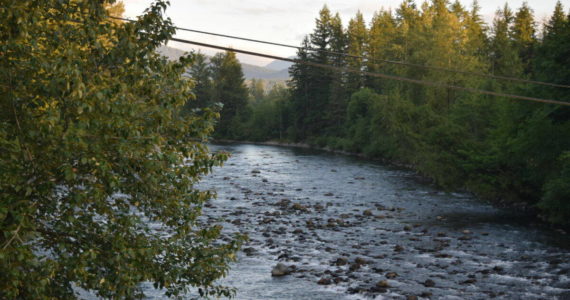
(374, 59)
(374, 74)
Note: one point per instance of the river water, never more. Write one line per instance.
(364, 230)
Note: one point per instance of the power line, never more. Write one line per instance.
(374, 59)
(374, 74)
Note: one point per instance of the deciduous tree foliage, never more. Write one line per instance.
(97, 166)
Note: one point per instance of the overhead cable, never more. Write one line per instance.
(375, 74)
(375, 60)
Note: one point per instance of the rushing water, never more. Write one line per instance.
(316, 211)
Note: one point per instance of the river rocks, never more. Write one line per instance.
(299, 207)
(367, 213)
(383, 284)
(391, 275)
(329, 194)
(255, 171)
(281, 270)
(318, 207)
(354, 267)
(361, 261)
(469, 281)
(498, 269)
(341, 261)
(249, 251)
(324, 281)
(429, 283)
(398, 248)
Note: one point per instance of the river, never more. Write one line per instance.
(364, 230)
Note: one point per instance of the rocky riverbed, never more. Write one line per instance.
(344, 228)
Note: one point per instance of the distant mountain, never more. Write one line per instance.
(279, 65)
(249, 71)
(171, 53)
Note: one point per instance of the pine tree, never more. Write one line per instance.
(505, 59)
(381, 46)
(299, 84)
(201, 74)
(524, 36)
(320, 78)
(256, 90)
(230, 90)
(357, 46)
(336, 109)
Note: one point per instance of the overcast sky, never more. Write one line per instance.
(284, 21)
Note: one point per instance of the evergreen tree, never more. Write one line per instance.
(524, 36)
(552, 63)
(201, 74)
(336, 109)
(357, 46)
(256, 90)
(381, 46)
(300, 84)
(320, 78)
(505, 59)
(230, 90)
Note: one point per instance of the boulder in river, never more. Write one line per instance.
(281, 270)
(429, 283)
(249, 251)
(341, 261)
(361, 261)
(383, 284)
(324, 281)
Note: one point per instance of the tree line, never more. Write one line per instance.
(500, 149)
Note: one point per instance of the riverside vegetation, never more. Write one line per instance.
(97, 164)
(511, 151)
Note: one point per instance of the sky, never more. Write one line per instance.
(285, 21)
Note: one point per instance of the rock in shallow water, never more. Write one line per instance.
(282, 270)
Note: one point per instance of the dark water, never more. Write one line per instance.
(309, 208)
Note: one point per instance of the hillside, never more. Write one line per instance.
(269, 72)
